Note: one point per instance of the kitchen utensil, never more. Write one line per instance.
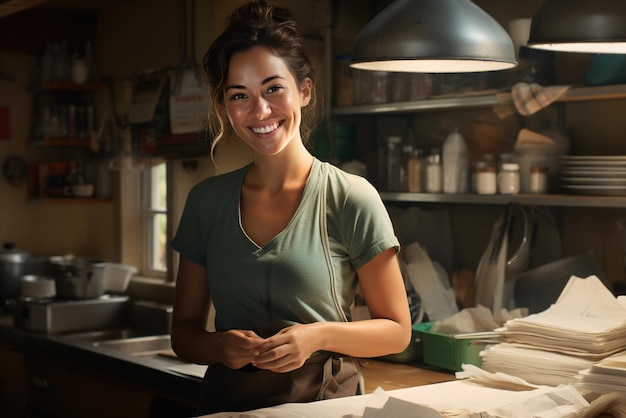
(79, 278)
(519, 261)
(491, 267)
(15, 263)
(540, 287)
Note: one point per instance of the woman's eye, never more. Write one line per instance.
(237, 96)
(273, 89)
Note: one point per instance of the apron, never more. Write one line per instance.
(325, 376)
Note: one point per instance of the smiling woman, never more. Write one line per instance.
(280, 245)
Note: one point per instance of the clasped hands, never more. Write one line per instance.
(285, 351)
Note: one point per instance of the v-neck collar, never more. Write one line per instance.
(309, 188)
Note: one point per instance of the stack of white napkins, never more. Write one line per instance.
(606, 376)
(585, 325)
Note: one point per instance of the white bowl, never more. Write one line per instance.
(116, 277)
(82, 190)
(37, 287)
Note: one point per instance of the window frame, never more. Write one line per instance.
(147, 216)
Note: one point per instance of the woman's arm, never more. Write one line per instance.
(190, 339)
(388, 332)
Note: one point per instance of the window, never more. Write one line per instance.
(154, 221)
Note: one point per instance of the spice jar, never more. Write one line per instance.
(538, 182)
(434, 174)
(486, 180)
(509, 178)
(414, 172)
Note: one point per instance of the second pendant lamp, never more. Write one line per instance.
(591, 26)
(433, 36)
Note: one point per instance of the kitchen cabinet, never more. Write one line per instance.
(64, 125)
(58, 389)
(12, 383)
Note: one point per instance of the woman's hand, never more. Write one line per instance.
(288, 349)
(239, 348)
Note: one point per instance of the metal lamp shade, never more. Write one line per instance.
(591, 26)
(433, 36)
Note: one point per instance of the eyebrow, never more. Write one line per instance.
(265, 81)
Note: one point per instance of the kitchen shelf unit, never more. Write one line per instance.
(82, 145)
(486, 99)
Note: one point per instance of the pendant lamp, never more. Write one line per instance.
(591, 26)
(433, 36)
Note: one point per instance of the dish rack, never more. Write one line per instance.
(449, 351)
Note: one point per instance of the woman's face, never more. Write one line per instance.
(263, 100)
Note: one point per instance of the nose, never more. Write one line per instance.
(261, 108)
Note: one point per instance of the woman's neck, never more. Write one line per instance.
(286, 170)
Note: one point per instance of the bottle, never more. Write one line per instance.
(433, 174)
(414, 172)
(455, 164)
(393, 164)
(409, 148)
(509, 179)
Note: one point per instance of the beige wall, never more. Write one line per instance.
(143, 34)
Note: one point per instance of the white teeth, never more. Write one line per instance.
(265, 129)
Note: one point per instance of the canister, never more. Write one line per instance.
(509, 178)
(486, 180)
(538, 180)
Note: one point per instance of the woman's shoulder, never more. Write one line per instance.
(348, 185)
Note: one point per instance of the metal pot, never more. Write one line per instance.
(14, 264)
(78, 278)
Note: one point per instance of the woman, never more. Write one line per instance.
(280, 245)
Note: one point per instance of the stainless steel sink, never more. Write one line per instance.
(139, 346)
(106, 334)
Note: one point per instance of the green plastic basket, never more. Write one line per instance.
(444, 351)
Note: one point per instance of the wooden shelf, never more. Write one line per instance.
(480, 99)
(60, 142)
(70, 200)
(561, 200)
(60, 87)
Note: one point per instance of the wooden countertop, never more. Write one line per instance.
(391, 376)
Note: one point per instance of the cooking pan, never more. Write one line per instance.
(78, 278)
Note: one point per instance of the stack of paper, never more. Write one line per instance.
(585, 325)
(606, 376)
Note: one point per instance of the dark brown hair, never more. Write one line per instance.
(257, 23)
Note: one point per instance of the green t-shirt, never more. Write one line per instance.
(288, 280)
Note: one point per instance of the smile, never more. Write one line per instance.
(266, 129)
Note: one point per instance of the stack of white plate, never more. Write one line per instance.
(594, 174)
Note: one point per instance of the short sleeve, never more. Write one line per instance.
(361, 220)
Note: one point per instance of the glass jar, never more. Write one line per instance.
(393, 164)
(509, 178)
(538, 181)
(486, 180)
(434, 174)
(414, 172)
